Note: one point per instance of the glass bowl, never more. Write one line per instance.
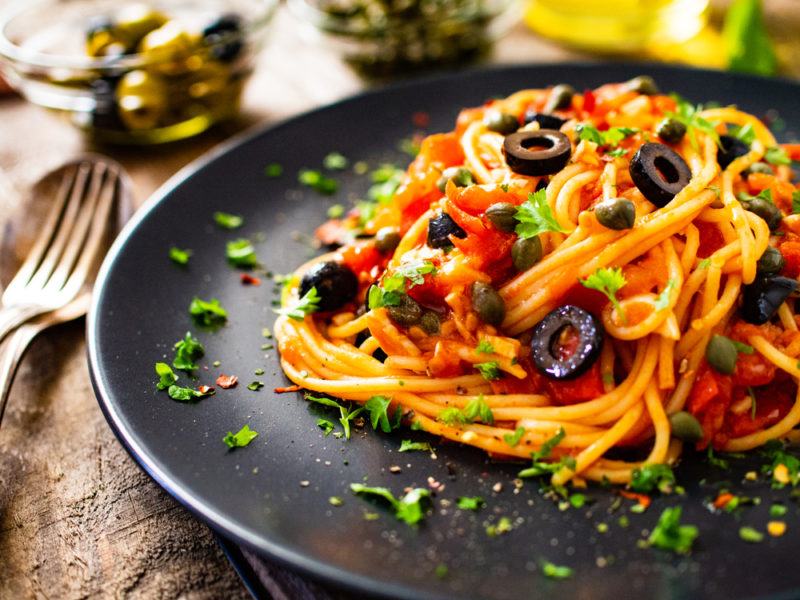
(134, 73)
(380, 38)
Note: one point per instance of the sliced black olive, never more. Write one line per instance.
(407, 312)
(440, 228)
(771, 261)
(762, 298)
(659, 172)
(551, 156)
(671, 130)
(461, 177)
(487, 303)
(335, 283)
(551, 338)
(615, 213)
(560, 98)
(503, 216)
(545, 121)
(730, 149)
(503, 123)
(224, 37)
(387, 239)
(766, 210)
(644, 84)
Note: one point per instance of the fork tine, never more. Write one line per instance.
(47, 233)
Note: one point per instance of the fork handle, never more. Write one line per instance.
(11, 359)
(13, 316)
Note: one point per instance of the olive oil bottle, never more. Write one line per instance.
(617, 26)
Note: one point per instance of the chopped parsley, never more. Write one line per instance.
(241, 438)
(765, 194)
(504, 525)
(689, 114)
(378, 407)
(608, 282)
(784, 468)
(335, 501)
(554, 571)
(335, 162)
(612, 137)
(745, 133)
(227, 220)
(385, 181)
(662, 301)
(410, 508)
(777, 510)
(653, 477)
(306, 305)
(335, 211)
(208, 313)
(166, 376)
(512, 439)
(534, 216)
(391, 289)
(484, 347)
(240, 253)
(326, 426)
(273, 170)
(776, 155)
(470, 502)
(452, 416)
(179, 257)
(490, 371)
(751, 535)
(187, 394)
(318, 182)
(795, 202)
(345, 414)
(669, 534)
(254, 386)
(187, 351)
(409, 446)
(540, 466)
(475, 409)
(716, 461)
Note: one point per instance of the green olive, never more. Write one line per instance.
(503, 123)
(560, 98)
(526, 252)
(671, 130)
(644, 84)
(430, 322)
(487, 303)
(168, 48)
(407, 313)
(135, 21)
(142, 99)
(685, 427)
(760, 167)
(503, 216)
(102, 39)
(766, 210)
(771, 261)
(387, 239)
(721, 354)
(616, 213)
(461, 177)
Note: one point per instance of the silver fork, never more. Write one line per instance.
(67, 247)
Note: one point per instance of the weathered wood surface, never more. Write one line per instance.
(78, 518)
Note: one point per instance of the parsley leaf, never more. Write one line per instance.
(326, 426)
(611, 137)
(392, 287)
(795, 202)
(452, 416)
(378, 407)
(470, 502)
(273, 170)
(478, 409)
(540, 466)
(187, 351)
(179, 257)
(689, 114)
(254, 386)
(227, 220)
(669, 534)
(208, 313)
(241, 438)
(345, 414)
(784, 468)
(489, 370)
(484, 347)
(662, 301)
(512, 439)
(335, 162)
(751, 535)
(166, 376)
(745, 133)
(318, 182)
(410, 508)
(504, 525)
(186, 394)
(776, 155)
(715, 461)
(746, 39)
(409, 446)
(240, 253)
(653, 477)
(534, 216)
(306, 305)
(554, 571)
(608, 282)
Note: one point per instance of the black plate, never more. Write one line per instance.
(253, 495)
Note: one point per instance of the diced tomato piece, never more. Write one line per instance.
(573, 391)
(711, 239)
(753, 370)
(362, 258)
(709, 401)
(589, 101)
(791, 253)
(772, 404)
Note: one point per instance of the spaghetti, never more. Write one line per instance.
(488, 239)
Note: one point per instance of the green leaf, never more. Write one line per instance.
(470, 502)
(335, 211)
(775, 155)
(775, 451)
(795, 202)
(254, 386)
(345, 414)
(187, 351)
(166, 377)
(478, 409)
(326, 426)
(745, 133)
(611, 137)
(409, 446)
(504, 525)
(208, 313)
(317, 181)
(306, 305)
(777, 510)
(452, 416)
(227, 220)
(273, 170)
(749, 46)
(410, 508)
(540, 466)
(179, 257)
(335, 162)
(751, 535)
(241, 438)
(534, 216)
(669, 534)
(377, 407)
(662, 301)
(689, 114)
(512, 439)
(608, 282)
(484, 347)
(490, 371)
(187, 394)
(240, 253)
(555, 571)
(653, 477)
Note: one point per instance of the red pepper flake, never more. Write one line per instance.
(290, 388)
(227, 381)
(205, 389)
(248, 279)
(421, 119)
(642, 499)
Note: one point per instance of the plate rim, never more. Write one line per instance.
(217, 521)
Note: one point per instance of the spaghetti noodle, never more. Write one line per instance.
(486, 241)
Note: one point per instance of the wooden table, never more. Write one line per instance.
(78, 518)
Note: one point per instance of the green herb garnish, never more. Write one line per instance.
(470, 502)
(240, 253)
(751, 535)
(555, 571)
(512, 439)
(776, 155)
(254, 386)
(208, 313)
(241, 438)
(227, 220)
(653, 477)
(317, 181)
(504, 525)
(534, 216)
(179, 257)
(490, 371)
(608, 282)
(484, 347)
(335, 162)
(345, 414)
(410, 508)
(326, 426)
(540, 465)
(166, 376)
(378, 407)
(187, 394)
(304, 306)
(409, 446)
(669, 534)
(187, 351)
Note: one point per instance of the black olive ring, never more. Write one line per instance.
(553, 156)
(659, 172)
(545, 339)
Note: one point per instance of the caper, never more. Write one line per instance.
(137, 20)
(644, 84)
(501, 122)
(671, 130)
(503, 216)
(142, 99)
(386, 239)
(526, 252)
(560, 98)
(461, 177)
(721, 354)
(407, 312)
(430, 322)
(167, 48)
(771, 261)
(766, 210)
(685, 427)
(487, 303)
(615, 213)
(759, 167)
